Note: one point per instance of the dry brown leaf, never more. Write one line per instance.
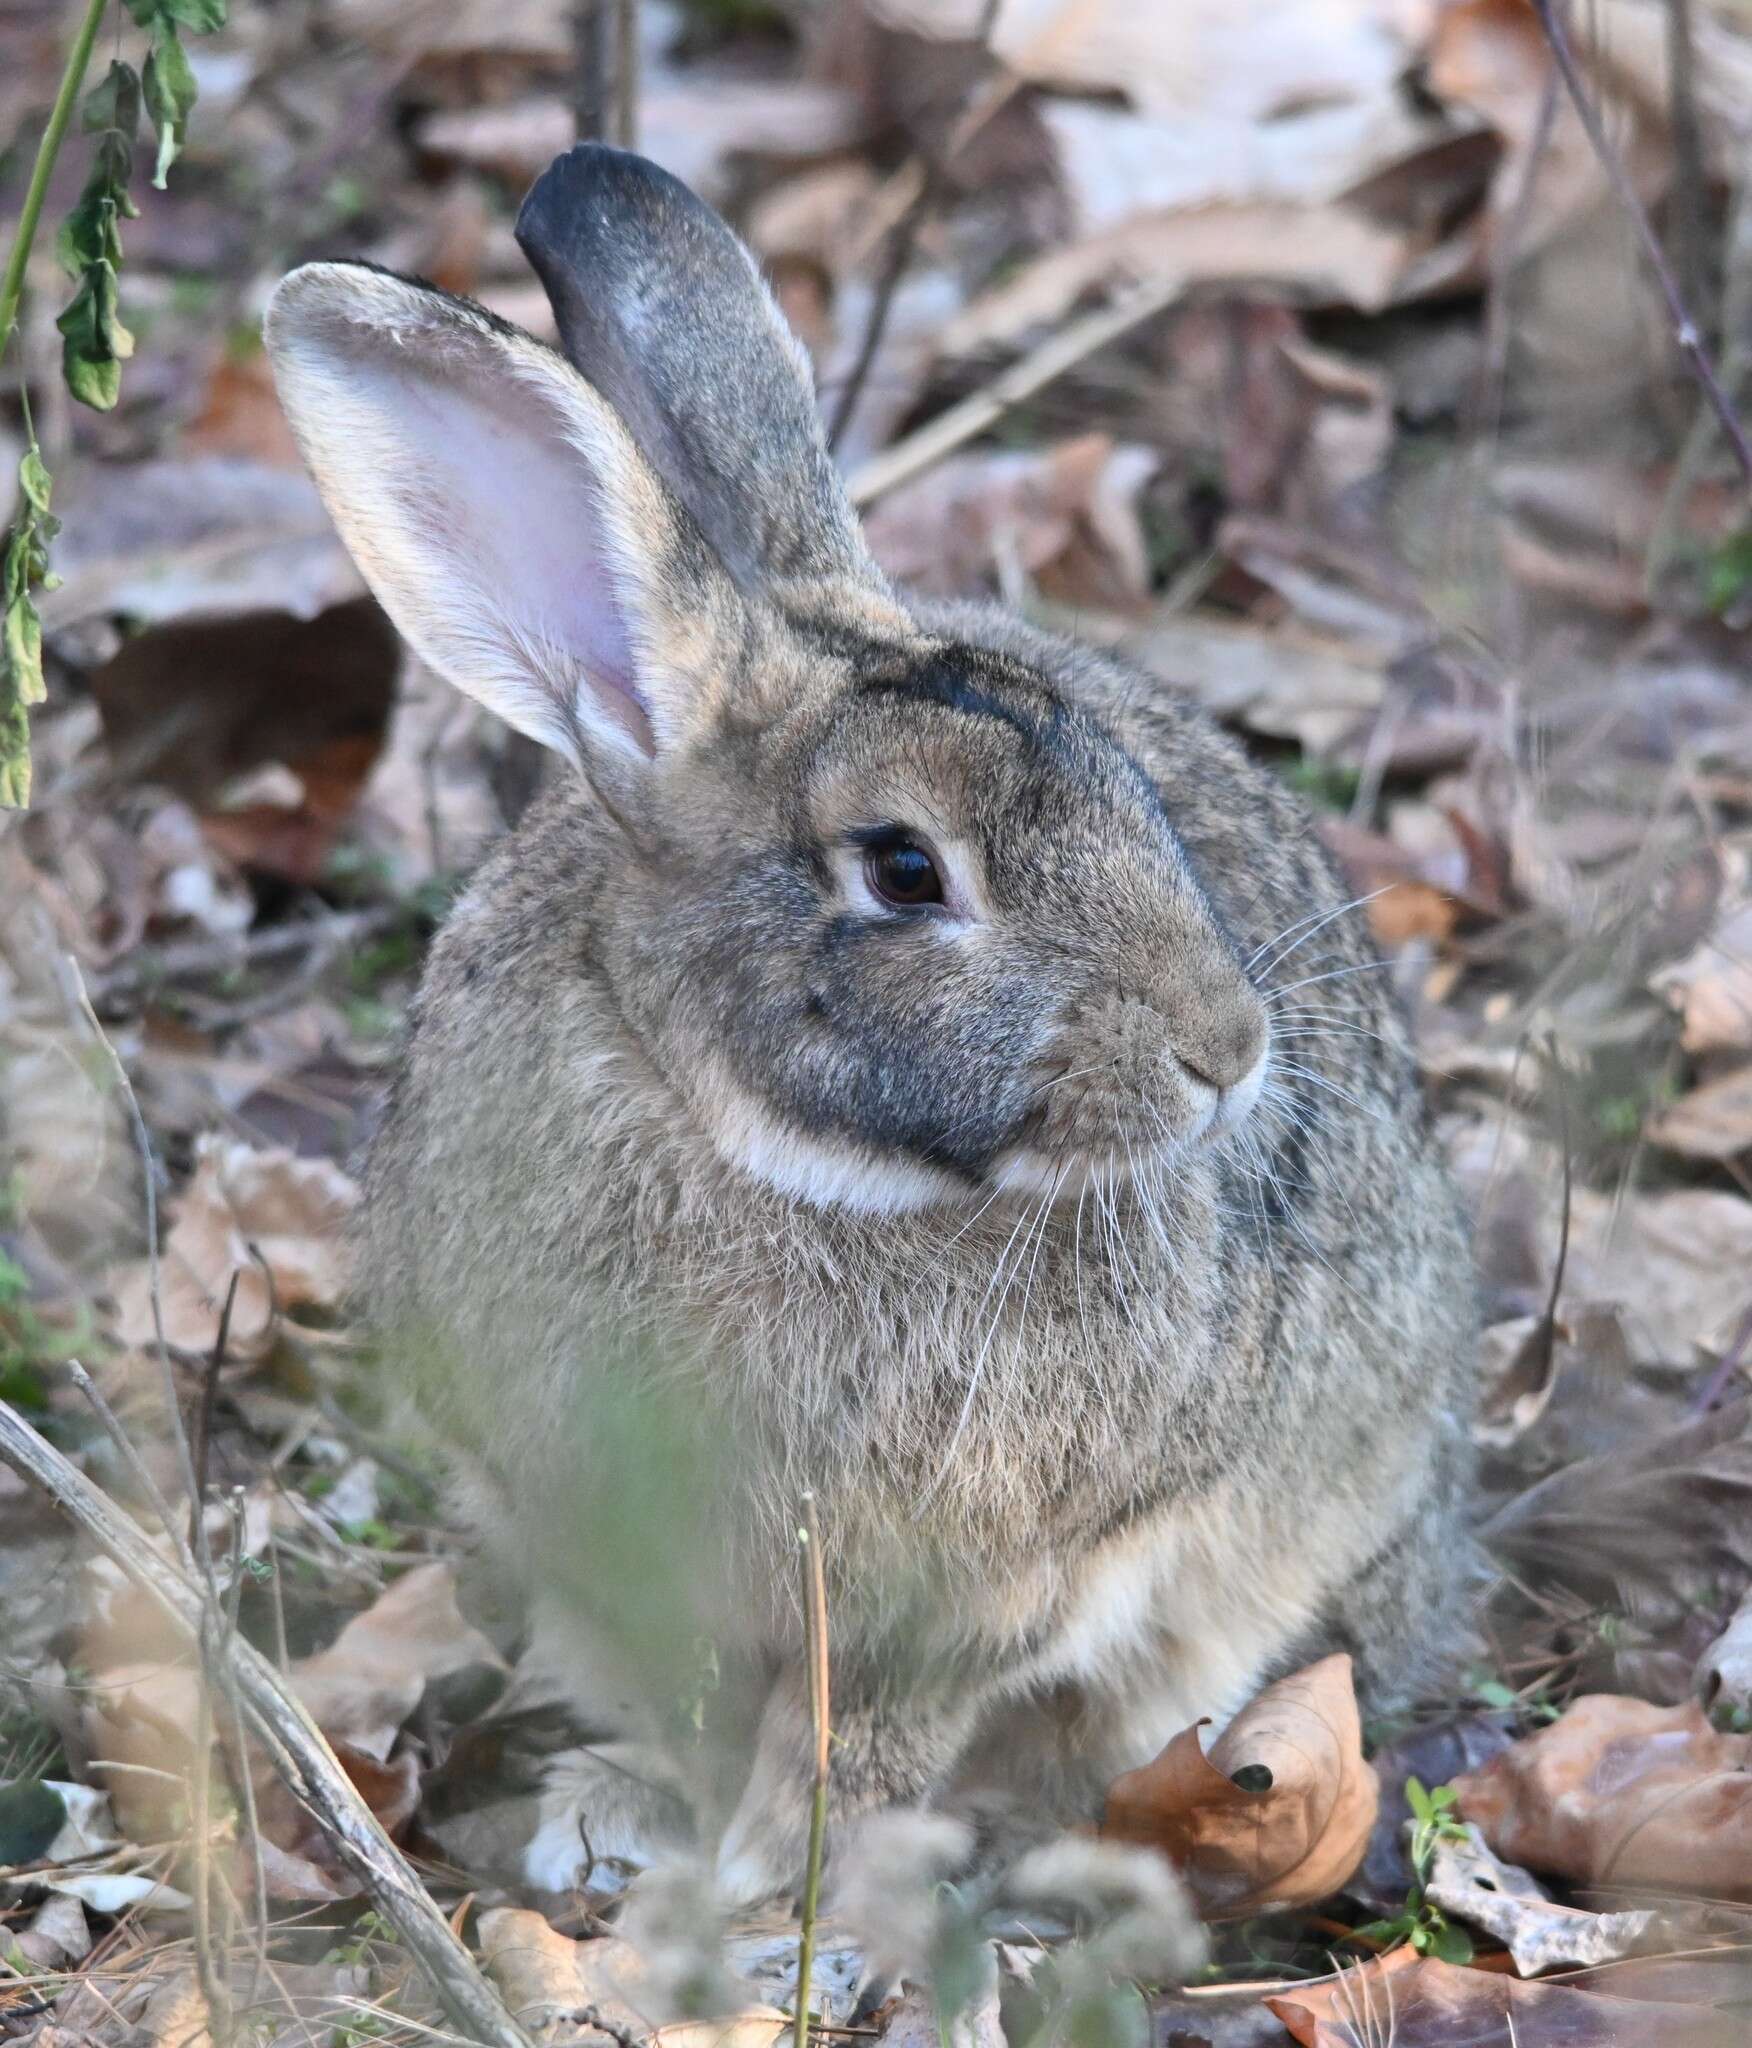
(175, 2017)
(299, 1852)
(1284, 683)
(1414, 2001)
(1620, 1792)
(242, 415)
(275, 1220)
(1326, 254)
(1712, 986)
(544, 1975)
(1292, 1843)
(1265, 64)
(1063, 517)
(207, 536)
(1713, 1121)
(372, 1676)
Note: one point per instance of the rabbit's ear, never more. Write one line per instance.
(662, 308)
(502, 515)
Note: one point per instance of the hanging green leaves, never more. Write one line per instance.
(168, 80)
(94, 343)
(24, 569)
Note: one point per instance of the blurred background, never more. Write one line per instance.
(1309, 352)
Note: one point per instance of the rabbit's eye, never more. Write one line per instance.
(901, 872)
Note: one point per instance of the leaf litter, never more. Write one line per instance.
(1392, 482)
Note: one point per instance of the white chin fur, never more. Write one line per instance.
(824, 1175)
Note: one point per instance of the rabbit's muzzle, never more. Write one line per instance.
(1130, 1080)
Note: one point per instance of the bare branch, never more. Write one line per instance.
(292, 1740)
(1685, 330)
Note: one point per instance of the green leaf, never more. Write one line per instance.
(169, 87)
(34, 479)
(1447, 1943)
(89, 234)
(94, 341)
(202, 16)
(14, 756)
(1418, 1800)
(21, 641)
(32, 1814)
(114, 102)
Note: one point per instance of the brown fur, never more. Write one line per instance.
(1110, 1410)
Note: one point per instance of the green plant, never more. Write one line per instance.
(94, 343)
(28, 1345)
(1422, 1923)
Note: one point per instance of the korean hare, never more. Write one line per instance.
(904, 1055)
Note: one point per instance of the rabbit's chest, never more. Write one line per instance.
(1003, 1408)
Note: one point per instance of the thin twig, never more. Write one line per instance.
(1736, 327)
(590, 69)
(1685, 330)
(138, 1469)
(1058, 353)
(179, 1435)
(901, 242)
(209, 1398)
(815, 1655)
(1688, 169)
(196, 959)
(294, 1744)
(626, 74)
(903, 236)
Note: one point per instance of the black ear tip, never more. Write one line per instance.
(596, 190)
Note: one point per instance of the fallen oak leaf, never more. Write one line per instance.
(1278, 1814)
(1619, 1792)
(272, 1219)
(1417, 2002)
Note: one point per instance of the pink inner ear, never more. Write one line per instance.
(517, 508)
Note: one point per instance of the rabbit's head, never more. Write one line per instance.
(896, 919)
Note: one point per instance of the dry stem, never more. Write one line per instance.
(292, 1740)
(815, 1639)
(1685, 329)
(1052, 358)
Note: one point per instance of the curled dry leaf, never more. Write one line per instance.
(1296, 1825)
(1416, 2002)
(1620, 1792)
(1470, 1883)
(541, 1973)
(275, 1220)
(1063, 516)
(1711, 1121)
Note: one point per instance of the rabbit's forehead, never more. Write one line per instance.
(958, 741)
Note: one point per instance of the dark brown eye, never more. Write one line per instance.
(901, 872)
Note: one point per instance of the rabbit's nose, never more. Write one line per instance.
(1223, 1052)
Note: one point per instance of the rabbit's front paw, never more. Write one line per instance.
(880, 1760)
(599, 1821)
(762, 1854)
